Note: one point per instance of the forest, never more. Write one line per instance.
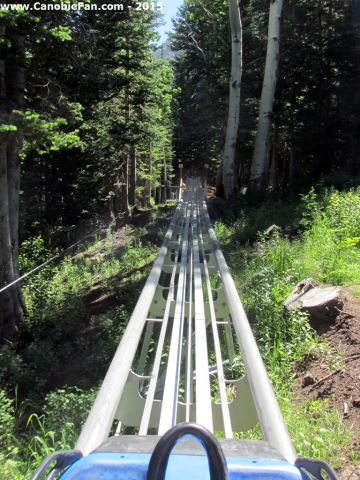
(94, 122)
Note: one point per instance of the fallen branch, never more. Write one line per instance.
(353, 357)
(320, 382)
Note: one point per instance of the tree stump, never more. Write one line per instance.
(322, 304)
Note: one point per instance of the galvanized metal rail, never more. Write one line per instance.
(175, 357)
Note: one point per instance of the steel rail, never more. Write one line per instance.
(189, 345)
(102, 414)
(192, 321)
(144, 425)
(268, 410)
(203, 392)
(170, 396)
(219, 362)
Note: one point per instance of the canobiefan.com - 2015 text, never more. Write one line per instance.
(40, 6)
(49, 7)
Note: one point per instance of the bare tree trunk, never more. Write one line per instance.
(9, 305)
(15, 93)
(149, 193)
(165, 170)
(11, 97)
(125, 186)
(291, 166)
(261, 151)
(274, 162)
(219, 181)
(273, 170)
(234, 99)
(163, 196)
(132, 176)
(116, 204)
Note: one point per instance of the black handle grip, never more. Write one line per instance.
(160, 457)
(315, 469)
(62, 461)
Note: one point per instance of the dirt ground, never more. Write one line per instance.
(335, 373)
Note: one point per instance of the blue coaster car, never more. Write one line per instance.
(152, 458)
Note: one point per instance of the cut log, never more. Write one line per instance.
(323, 304)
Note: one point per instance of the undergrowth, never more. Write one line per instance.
(48, 384)
(318, 237)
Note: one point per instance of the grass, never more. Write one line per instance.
(316, 430)
(266, 267)
(65, 349)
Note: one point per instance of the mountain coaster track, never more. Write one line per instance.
(177, 350)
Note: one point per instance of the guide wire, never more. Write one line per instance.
(57, 256)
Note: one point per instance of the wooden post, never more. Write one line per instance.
(181, 166)
(206, 168)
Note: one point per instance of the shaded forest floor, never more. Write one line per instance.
(77, 312)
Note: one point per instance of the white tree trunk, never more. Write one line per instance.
(261, 151)
(234, 99)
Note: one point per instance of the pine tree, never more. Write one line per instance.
(12, 59)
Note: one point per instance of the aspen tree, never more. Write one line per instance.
(261, 150)
(234, 99)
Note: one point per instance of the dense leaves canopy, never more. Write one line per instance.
(316, 114)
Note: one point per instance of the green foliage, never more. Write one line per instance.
(282, 337)
(343, 213)
(311, 207)
(11, 365)
(329, 250)
(44, 135)
(315, 120)
(58, 326)
(61, 32)
(11, 465)
(59, 321)
(58, 428)
(32, 252)
(266, 270)
(42, 441)
(202, 74)
(90, 97)
(68, 408)
(316, 430)
(8, 128)
(7, 422)
(307, 117)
